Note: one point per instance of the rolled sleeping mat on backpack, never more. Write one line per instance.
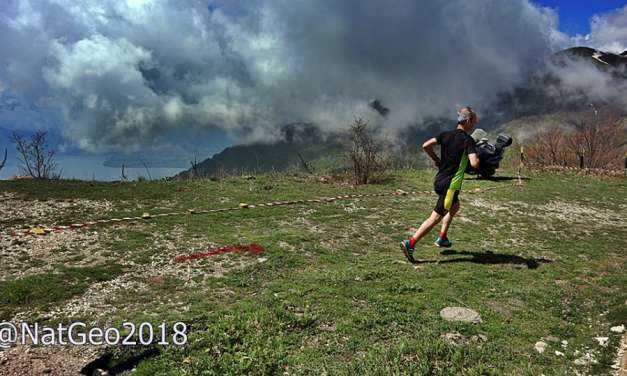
(456, 182)
(448, 200)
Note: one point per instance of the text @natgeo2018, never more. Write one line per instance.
(79, 333)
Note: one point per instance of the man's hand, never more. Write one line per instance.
(428, 148)
(474, 160)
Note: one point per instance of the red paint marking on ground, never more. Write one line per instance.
(250, 248)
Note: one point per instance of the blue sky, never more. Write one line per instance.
(575, 15)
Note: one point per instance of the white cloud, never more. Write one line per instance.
(95, 58)
(608, 32)
(127, 73)
(578, 79)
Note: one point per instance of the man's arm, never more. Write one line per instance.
(428, 148)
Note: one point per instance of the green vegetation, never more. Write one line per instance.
(333, 293)
(41, 290)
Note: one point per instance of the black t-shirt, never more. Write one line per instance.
(452, 146)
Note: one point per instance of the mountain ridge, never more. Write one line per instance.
(302, 141)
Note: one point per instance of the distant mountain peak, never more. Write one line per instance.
(598, 56)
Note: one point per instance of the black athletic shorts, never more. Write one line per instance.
(439, 207)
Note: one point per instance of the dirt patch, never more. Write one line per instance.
(48, 360)
(103, 300)
(559, 211)
(577, 213)
(507, 308)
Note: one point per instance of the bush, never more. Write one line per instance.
(367, 157)
(38, 160)
(594, 140)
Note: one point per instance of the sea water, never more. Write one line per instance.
(92, 168)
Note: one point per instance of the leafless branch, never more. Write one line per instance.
(147, 170)
(4, 160)
(123, 174)
(305, 164)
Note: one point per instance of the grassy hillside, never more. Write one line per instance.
(299, 144)
(279, 156)
(332, 293)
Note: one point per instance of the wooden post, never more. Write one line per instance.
(581, 161)
(521, 164)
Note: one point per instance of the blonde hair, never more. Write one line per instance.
(466, 113)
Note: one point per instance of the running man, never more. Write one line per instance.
(457, 148)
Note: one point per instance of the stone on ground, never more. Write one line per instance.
(540, 346)
(460, 314)
(617, 329)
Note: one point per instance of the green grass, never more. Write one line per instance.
(335, 294)
(42, 290)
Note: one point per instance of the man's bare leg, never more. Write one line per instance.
(425, 227)
(448, 218)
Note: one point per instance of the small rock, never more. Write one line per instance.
(460, 314)
(455, 339)
(551, 339)
(559, 353)
(262, 259)
(540, 346)
(327, 327)
(617, 329)
(585, 359)
(479, 338)
(580, 362)
(602, 340)
(564, 344)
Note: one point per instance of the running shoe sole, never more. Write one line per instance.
(442, 246)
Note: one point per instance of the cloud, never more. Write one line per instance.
(581, 80)
(127, 74)
(608, 31)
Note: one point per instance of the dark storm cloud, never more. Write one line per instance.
(115, 74)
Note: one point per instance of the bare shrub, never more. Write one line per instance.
(548, 148)
(367, 157)
(594, 140)
(37, 159)
(193, 172)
